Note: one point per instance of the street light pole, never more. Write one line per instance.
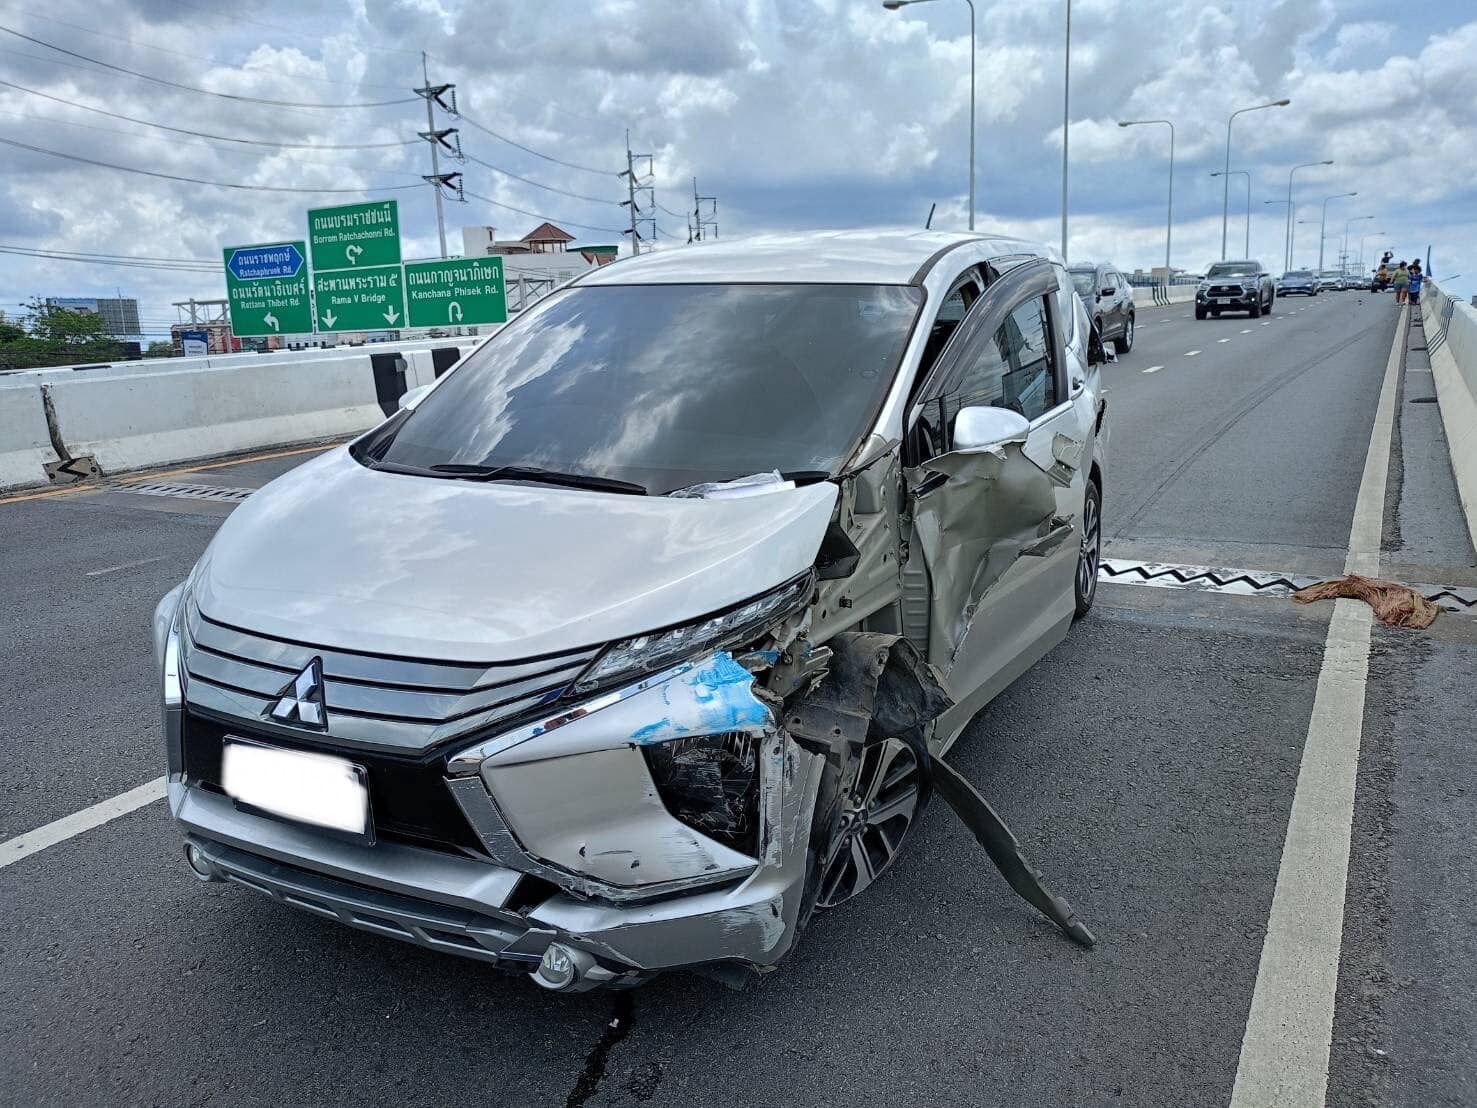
(1285, 267)
(1226, 181)
(1066, 112)
(1323, 223)
(1169, 207)
(1366, 235)
(1344, 253)
(896, 5)
(1291, 207)
(1247, 174)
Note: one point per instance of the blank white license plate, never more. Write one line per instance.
(294, 784)
(1224, 299)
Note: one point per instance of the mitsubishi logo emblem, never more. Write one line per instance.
(301, 702)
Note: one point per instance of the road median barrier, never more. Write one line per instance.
(1451, 342)
(25, 445)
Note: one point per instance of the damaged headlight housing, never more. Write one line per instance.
(657, 650)
(711, 783)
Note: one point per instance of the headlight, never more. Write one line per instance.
(659, 649)
(167, 644)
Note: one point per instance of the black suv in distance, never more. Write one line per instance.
(1235, 287)
(1108, 299)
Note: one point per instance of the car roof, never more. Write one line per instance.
(872, 257)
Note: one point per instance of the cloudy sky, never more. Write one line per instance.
(794, 113)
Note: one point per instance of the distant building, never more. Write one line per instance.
(543, 253)
(119, 315)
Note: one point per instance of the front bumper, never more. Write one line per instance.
(509, 902)
(1241, 300)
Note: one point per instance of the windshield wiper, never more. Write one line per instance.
(472, 471)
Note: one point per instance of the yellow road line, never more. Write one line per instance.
(73, 490)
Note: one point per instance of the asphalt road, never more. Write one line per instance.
(1148, 766)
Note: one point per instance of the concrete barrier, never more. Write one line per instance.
(175, 414)
(152, 419)
(1158, 297)
(25, 446)
(1451, 340)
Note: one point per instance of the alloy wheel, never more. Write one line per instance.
(874, 820)
(1092, 549)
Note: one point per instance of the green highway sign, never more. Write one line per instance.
(267, 287)
(355, 236)
(466, 290)
(370, 299)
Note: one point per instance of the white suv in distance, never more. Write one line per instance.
(629, 645)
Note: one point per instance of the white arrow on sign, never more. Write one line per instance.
(453, 312)
(329, 318)
(391, 316)
(353, 252)
(271, 321)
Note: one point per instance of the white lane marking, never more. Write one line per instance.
(1245, 330)
(1222, 340)
(1284, 1052)
(23, 846)
(1154, 369)
(125, 565)
(1191, 353)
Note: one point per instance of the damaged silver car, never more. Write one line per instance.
(639, 638)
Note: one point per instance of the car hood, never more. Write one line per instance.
(337, 555)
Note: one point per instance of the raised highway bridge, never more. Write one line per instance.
(1263, 809)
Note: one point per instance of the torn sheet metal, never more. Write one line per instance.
(994, 507)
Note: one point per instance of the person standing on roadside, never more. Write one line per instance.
(1417, 279)
(1401, 281)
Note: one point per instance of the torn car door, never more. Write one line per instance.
(997, 523)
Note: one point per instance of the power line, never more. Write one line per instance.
(535, 184)
(94, 254)
(207, 135)
(530, 150)
(543, 218)
(198, 181)
(197, 58)
(295, 32)
(42, 256)
(312, 162)
(203, 91)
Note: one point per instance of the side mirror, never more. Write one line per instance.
(411, 397)
(984, 428)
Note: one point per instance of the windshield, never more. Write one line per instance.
(1297, 275)
(666, 386)
(1085, 281)
(1232, 269)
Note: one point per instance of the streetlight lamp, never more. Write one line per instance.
(1169, 207)
(1247, 175)
(1291, 208)
(1344, 253)
(1324, 222)
(896, 5)
(1226, 181)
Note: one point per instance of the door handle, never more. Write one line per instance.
(1077, 386)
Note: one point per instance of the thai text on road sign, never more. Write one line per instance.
(355, 236)
(267, 288)
(461, 291)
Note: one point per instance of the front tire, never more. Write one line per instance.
(1256, 310)
(1124, 343)
(892, 787)
(1199, 312)
(1090, 554)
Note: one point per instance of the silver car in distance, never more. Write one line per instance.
(628, 646)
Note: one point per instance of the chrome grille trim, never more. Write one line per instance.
(410, 704)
